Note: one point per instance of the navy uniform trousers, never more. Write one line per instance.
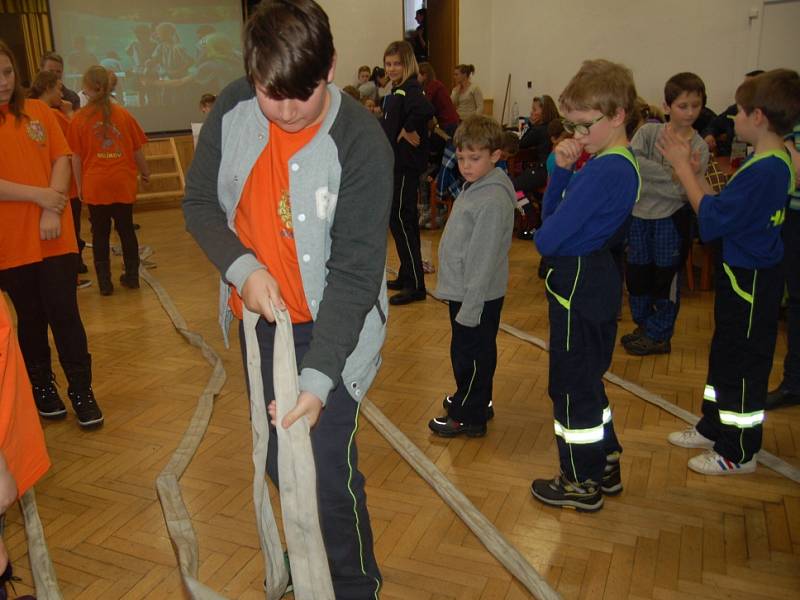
(584, 295)
(341, 498)
(746, 308)
(473, 354)
(404, 225)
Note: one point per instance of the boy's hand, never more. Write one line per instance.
(51, 199)
(412, 137)
(49, 225)
(145, 177)
(259, 289)
(676, 150)
(568, 152)
(308, 405)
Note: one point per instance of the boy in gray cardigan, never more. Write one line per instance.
(473, 275)
(659, 236)
(289, 195)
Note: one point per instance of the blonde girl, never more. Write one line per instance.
(406, 113)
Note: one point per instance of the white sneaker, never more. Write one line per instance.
(711, 463)
(689, 438)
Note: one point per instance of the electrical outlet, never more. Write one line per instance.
(530, 84)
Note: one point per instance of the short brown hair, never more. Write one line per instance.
(684, 82)
(601, 85)
(477, 132)
(288, 48)
(364, 69)
(775, 93)
(54, 56)
(44, 81)
(207, 99)
(509, 143)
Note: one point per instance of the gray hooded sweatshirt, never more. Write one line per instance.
(473, 251)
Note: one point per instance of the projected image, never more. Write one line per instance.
(165, 54)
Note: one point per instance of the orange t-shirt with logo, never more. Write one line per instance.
(21, 438)
(264, 219)
(108, 168)
(63, 122)
(27, 152)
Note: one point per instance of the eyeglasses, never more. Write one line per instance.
(579, 128)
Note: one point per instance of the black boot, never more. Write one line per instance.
(43, 383)
(103, 270)
(130, 278)
(81, 395)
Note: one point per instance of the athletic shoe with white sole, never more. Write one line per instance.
(690, 438)
(711, 463)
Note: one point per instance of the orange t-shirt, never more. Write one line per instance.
(108, 169)
(63, 122)
(21, 437)
(27, 153)
(264, 219)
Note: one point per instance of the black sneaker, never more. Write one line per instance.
(612, 476)
(633, 335)
(781, 397)
(394, 284)
(86, 408)
(48, 402)
(644, 346)
(447, 427)
(407, 297)
(561, 492)
(448, 400)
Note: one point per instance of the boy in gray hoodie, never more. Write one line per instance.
(473, 275)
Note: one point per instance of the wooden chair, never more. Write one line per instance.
(436, 202)
(717, 175)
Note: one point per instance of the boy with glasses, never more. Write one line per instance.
(585, 214)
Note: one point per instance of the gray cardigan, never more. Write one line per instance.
(341, 189)
(473, 251)
(661, 195)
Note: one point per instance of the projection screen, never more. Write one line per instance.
(165, 53)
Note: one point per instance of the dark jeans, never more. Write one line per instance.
(791, 264)
(44, 295)
(101, 215)
(473, 354)
(404, 224)
(341, 497)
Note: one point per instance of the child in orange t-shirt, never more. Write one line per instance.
(23, 454)
(47, 87)
(38, 252)
(107, 142)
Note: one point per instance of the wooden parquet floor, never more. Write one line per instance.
(671, 535)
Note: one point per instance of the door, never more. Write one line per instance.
(443, 38)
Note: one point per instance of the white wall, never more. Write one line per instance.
(361, 31)
(475, 44)
(545, 42)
